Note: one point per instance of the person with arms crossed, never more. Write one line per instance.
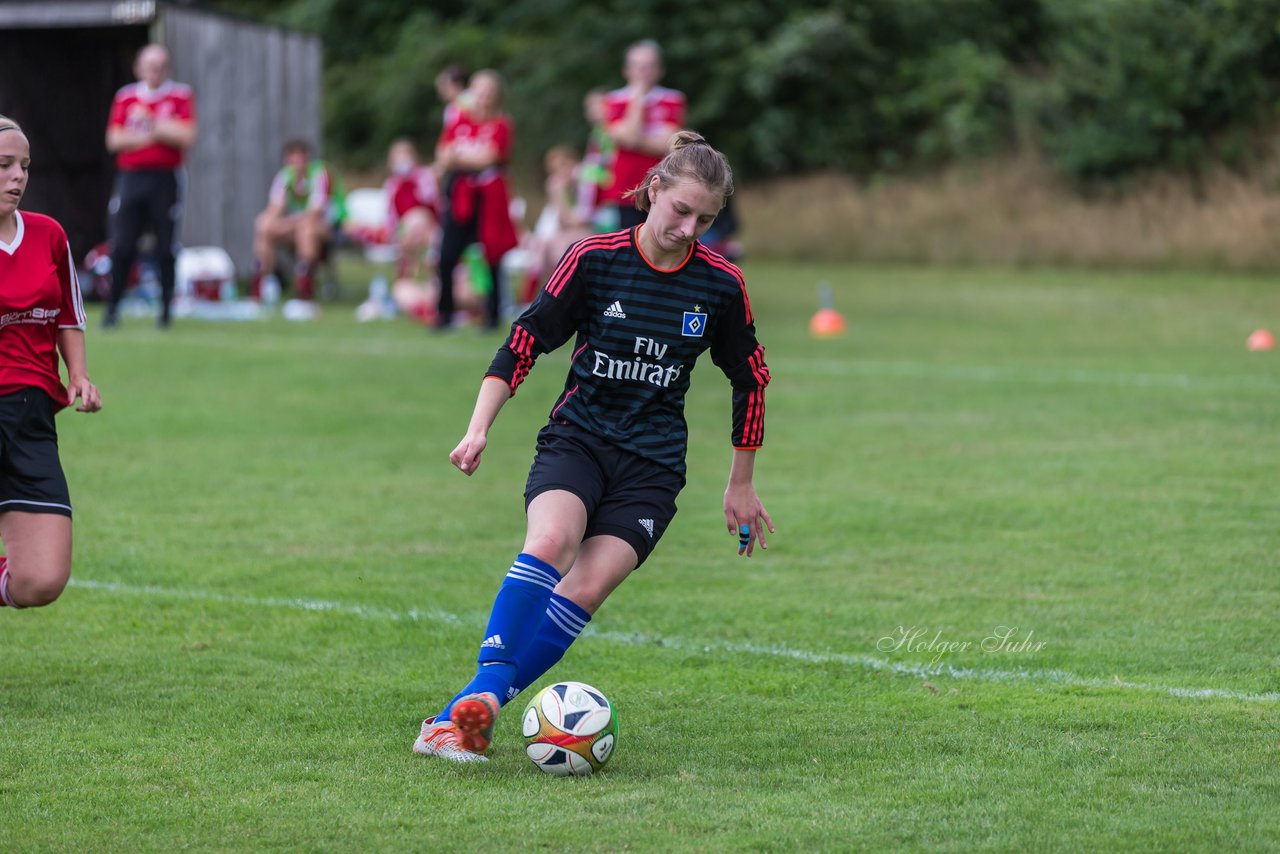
(474, 150)
(152, 124)
(640, 119)
(451, 89)
(41, 317)
(643, 304)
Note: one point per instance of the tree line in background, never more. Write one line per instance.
(1102, 88)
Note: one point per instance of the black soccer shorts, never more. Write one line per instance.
(31, 477)
(626, 495)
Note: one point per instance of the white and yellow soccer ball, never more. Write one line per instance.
(570, 729)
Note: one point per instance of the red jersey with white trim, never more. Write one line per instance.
(640, 329)
(139, 107)
(39, 295)
(663, 111)
(416, 189)
(484, 191)
(468, 132)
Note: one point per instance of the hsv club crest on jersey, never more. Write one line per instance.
(695, 323)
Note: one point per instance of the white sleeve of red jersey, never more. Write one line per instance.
(276, 194)
(319, 199)
(72, 301)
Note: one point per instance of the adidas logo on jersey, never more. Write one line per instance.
(494, 641)
(615, 310)
(648, 526)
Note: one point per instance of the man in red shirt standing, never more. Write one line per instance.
(640, 119)
(152, 124)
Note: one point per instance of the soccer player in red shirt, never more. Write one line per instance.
(474, 150)
(640, 119)
(41, 316)
(413, 206)
(152, 124)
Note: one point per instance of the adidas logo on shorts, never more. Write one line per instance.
(615, 310)
(647, 524)
(494, 641)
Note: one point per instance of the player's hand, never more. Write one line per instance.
(87, 392)
(745, 516)
(467, 455)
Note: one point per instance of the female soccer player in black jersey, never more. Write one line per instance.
(643, 304)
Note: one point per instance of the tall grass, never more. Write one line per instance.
(1016, 210)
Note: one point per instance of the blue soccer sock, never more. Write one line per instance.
(565, 620)
(513, 624)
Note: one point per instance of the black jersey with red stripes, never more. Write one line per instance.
(639, 332)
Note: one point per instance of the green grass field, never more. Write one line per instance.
(278, 574)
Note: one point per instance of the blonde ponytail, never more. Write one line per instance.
(689, 158)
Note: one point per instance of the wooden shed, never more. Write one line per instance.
(256, 85)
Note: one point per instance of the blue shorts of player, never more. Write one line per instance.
(31, 478)
(626, 495)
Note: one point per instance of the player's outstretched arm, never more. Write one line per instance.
(744, 513)
(494, 392)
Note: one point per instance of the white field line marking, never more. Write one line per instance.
(368, 612)
(435, 615)
(1031, 375)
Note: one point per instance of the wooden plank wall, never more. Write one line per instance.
(256, 86)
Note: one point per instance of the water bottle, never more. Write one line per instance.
(380, 300)
(379, 289)
(269, 291)
(477, 267)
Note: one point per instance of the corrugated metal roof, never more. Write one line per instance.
(77, 13)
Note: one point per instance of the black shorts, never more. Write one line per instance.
(31, 478)
(626, 496)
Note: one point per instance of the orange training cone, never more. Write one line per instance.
(1261, 340)
(827, 322)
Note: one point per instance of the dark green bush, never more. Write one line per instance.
(1103, 87)
(1132, 84)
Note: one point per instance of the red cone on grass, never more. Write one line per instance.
(1260, 340)
(827, 322)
